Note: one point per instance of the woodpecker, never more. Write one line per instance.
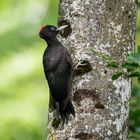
(58, 69)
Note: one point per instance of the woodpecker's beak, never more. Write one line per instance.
(61, 27)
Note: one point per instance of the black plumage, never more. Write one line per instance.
(58, 70)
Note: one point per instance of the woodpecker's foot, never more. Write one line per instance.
(82, 67)
(80, 63)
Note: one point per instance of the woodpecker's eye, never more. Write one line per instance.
(52, 28)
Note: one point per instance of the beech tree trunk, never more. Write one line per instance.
(101, 104)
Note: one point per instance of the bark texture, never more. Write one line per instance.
(102, 105)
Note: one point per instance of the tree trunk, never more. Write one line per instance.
(101, 105)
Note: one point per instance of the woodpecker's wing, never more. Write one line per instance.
(69, 67)
(58, 69)
(60, 85)
(52, 58)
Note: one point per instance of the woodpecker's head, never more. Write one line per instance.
(50, 31)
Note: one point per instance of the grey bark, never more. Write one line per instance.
(102, 105)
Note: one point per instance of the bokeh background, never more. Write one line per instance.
(23, 88)
(134, 131)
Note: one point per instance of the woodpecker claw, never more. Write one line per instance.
(80, 63)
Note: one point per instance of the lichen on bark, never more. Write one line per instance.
(102, 110)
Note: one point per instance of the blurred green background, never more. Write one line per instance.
(134, 131)
(23, 88)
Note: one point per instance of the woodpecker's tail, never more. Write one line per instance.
(65, 113)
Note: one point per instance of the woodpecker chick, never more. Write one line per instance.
(58, 68)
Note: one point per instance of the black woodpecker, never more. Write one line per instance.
(58, 68)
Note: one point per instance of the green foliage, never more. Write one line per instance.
(129, 68)
(117, 75)
(134, 132)
(134, 58)
(113, 64)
